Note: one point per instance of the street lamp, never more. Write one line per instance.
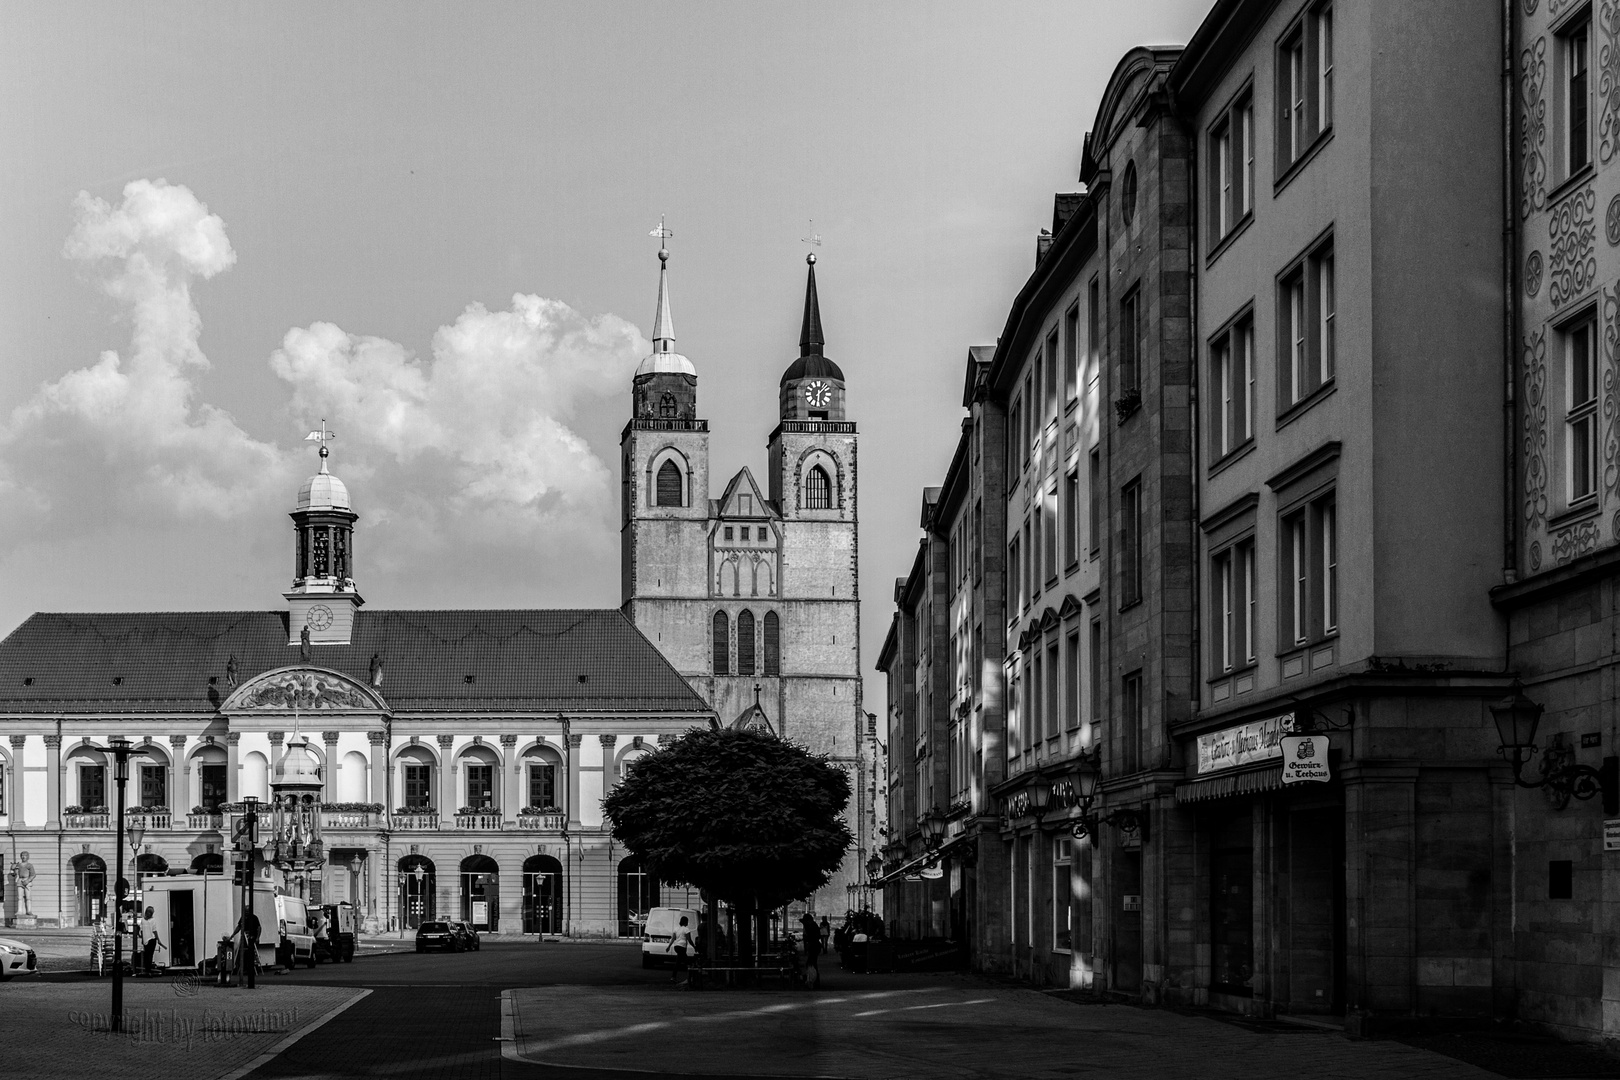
(1087, 777)
(1517, 718)
(121, 751)
(354, 880)
(874, 866)
(933, 829)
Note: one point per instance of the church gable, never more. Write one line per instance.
(742, 499)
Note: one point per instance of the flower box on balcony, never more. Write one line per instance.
(415, 820)
(541, 819)
(200, 820)
(87, 821)
(480, 819)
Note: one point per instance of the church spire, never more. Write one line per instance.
(810, 338)
(663, 324)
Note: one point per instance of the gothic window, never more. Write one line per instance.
(666, 407)
(722, 644)
(817, 489)
(669, 484)
(773, 644)
(745, 644)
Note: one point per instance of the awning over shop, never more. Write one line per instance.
(1221, 787)
(923, 860)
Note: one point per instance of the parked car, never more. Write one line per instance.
(438, 935)
(341, 936)
(659, 928)
(469, 936)
(16, 958)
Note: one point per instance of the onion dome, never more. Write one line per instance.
(297, 767)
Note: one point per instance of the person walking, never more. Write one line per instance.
(247, 928)
(812, 951)
(149, 931)
(684, 946)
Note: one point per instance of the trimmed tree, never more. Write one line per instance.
(740, 815)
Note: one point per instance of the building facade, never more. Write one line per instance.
(464, 754)
(753, 592)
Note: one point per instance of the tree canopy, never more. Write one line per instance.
(741, 814)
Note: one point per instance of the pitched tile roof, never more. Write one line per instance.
(581, 660)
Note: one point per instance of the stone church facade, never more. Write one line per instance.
(751, 590)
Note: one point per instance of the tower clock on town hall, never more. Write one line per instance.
(750, 592)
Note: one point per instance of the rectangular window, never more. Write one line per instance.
(1232, 607)
(1037, 534)
(1015, 599)
(1304, 85)
(1576, 45)
(480, 786)
(1306, 345)
(154, 785)
(1310, 571)
(1062, 909)
(1131, 736)
(1015, 719)
(1231, 363)
(1580, 409)
(1096, 671)
(1049, 537)
(1071, 517)
(211, 786)
(1130, 345)
(978, 531)
(418, 787)
(978, 656)
(1231, 168)
(1093, 332)
(1036, 702)
(1032, 417)
(1053, 360)
(542, 785)
(1071, 352)
(1015, 428)
(1031, 557)
(1130, 541)
(1095, 524)
(92, 786)
(1071, 680)
(1054, 704)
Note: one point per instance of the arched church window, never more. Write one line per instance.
(745, 644)
(666, 407)
(722, 644)
(669, 484)
(817, 489)
(773, 644)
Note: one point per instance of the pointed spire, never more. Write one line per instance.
(810, 338)
(663, 324)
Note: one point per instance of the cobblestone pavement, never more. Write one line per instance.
(174, 1030)
(934, 1031)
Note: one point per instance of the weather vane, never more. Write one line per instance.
(663, 232)
(814, 237)
(323, 437)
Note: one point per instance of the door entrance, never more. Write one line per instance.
(1127, 975)
(542, 895)
(480, 892)
(1315, 932)
(1231, 907)
(182, 931)
(90, 887)
(416, 901)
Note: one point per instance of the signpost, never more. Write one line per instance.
(1305, 759)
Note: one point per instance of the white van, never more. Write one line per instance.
(295, 940)
(656, 932)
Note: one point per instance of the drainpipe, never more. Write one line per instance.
(1510, 298)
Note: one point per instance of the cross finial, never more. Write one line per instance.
(323, 437)
(663, 232)
(814, 237)
(756, 695)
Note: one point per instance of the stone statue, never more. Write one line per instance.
(22, 872)
(303, 644)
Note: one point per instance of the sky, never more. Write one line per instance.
(427, 224)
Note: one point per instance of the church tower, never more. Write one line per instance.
(664, 463)
(323, 597)
(752, 595)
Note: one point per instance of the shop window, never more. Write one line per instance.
(1062, 895)
(1231, 908)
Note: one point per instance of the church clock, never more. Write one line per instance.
(818, 393)
(320, 617)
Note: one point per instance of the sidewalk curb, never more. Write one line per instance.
(280, 1047)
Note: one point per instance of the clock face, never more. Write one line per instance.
(320, 617)
(818, 393)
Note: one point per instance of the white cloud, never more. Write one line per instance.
(472, 449)
(127, 433)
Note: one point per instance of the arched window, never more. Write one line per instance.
(669, 484)
(817, 489)
(722, 644)
(773, 644)
(745, 643)
(666, 407)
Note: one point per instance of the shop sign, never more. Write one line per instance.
(1258, 740)
(1611, 834)
(480, 912)
(1305, 759)
(932, 873)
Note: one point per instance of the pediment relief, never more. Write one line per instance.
(305, 689)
